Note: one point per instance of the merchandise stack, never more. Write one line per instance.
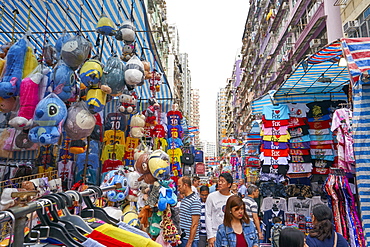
(251, 150)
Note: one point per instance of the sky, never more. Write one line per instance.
(211, 33)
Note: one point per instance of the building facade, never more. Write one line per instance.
(220, 119)
(186, 80)
(194, 118)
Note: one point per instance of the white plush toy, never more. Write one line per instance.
(134, 185)
(134, 72)
(126, 32)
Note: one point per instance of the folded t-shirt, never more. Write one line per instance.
(299, 145)
(323, 157)
(277, 138)
(274, 123)
(274, 130)
(275, 160)
(275, 169)
(319, 132)
(305, 138)
(299, 151)
(322, 163)
(300, 167)
(276, 152)
(300, 159)
(298, 131)
(321, 142)
(322, 118)
(275, 145)
(321, 151)
(297, 121)
(321, 137)
(320, 124)
(276, 112)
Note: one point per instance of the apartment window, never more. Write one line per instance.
(364, 29)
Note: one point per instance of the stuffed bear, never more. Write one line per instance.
(91, 72)
(147, 73)
(80, 122)
(75, 51)
(64, 81)
(134, 185)
(9, 104)
(128, 103)
(159, 165)
(126, 32)
(10, 83)
(105, 26)
(137, 125)
(29, 98)
(50, 114)
(134, 72)
(113, 75)
(141, 166)
(128, 51)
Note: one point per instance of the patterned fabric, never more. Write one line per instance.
(203, 230)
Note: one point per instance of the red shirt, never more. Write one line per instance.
(296, 121)
(276, 152)
(240, 240)
(111, 165)
(274, 123)
(320, 125)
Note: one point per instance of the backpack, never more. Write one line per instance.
(275, 234)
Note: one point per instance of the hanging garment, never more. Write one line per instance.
(274, 130)
(276, 112)
(268, 202)
(298, 110)
(300, 206)
(267, 222)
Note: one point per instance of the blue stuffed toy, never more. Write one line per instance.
(114, 177)
(11, 81)
(63, 81)
(50, 114)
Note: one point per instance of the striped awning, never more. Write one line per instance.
(331, 52)
(311, 82)
(257, 105)
(47, 19)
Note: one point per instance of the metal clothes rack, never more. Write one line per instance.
(18, 214)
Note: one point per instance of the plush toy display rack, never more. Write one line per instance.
(15, 217)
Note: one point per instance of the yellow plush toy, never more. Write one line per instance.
(30, 62)
(130, 215)
(159, 164)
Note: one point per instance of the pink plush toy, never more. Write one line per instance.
(29, 98)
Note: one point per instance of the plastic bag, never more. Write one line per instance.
(63, 81)
(113, 76)
(75, 51)
(134, 72)
(80, 122)
(126, 32)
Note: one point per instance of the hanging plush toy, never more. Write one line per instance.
(141, 166)
(80, 122)
(126, 32)
(147, 73)
(134, 185)
(91, 72)
(159, 165)
(4, 48)
(151, 110)
(134, 72)
(128, 51)
(30, 62)
(137, 125)
(96, 98)
(113, 75)
(105, 26)
(29, 98)
(10, 83)
(114, 177)
(130, 216)
(75, 51)
(50, 115)
(128, 103)
(49, 54)
(60, 42)
(63, 81)
(9, 104)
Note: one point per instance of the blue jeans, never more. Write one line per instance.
(185, 241)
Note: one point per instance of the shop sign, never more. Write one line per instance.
(200, 168)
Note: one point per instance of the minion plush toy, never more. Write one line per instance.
(159, 165)
(105, 26)
(50, 114)
(91, 72)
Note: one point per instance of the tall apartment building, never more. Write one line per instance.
(277, 36)
(186, 81)
(355, 15)
(194, 119)
(220, 119)
(174, 72)
(209, 149)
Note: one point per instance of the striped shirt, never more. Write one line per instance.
(189, 206)
(203, 230)
(250, 206)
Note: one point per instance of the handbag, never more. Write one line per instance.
(187, 158)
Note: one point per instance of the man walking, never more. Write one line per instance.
(251, 207)
(196, 182)
(242, 191)
(203, 192)
(189, 213)
(215, 204)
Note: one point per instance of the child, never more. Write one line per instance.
(275, 231)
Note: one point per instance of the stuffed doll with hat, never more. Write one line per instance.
(29, 98)
(134, 72)
(130, 215)
(80, 122)
(126, 32)
(128, 103)
(141, 166)
(159, 165)
(113, 75)
(151, 110)
(63, 80)
(75, 51)
(105, 26)
(50, 114)
(10, 83)
(137, 125)
(96, 98)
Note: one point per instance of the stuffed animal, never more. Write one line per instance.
(147, 73)
(128, 51)
(159, 165)
(150, 112)
(126, 32)
(105, 26)
(91, 72)
(113, 75)
(170, 233)
(154, 224)
(60, 42)
(80, 122)
(49, 54)
(9, 104)
(96, 98)
(77, 147)
(75, 51)
(4, 48)
(29, 98)
(137, 125)
(144, 215)
(63, 81)
(134, 185)
(128, 103)
(10, 83)
(30, 62)
(141, 166)
(50, 114)
(134, 72)
(130, 215)
(113, 177)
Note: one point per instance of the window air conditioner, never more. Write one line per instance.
(350, 26)
(268, 75)
(285, 5)
(315, 43)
